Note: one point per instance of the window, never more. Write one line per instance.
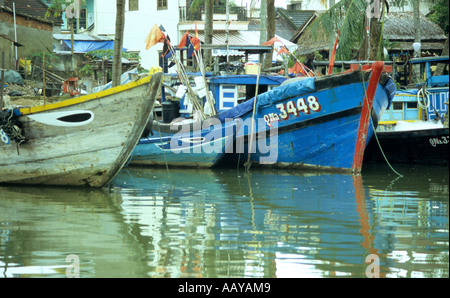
(133, 5)
(162, 4)
(397, 105)
(411, 105)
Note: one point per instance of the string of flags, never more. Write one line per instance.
(298, 68)
(191, 43)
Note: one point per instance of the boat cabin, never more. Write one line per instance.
(231, 90)
(429, 101)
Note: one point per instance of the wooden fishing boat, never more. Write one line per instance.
(414, 129)
(313, 123)
(82, 141)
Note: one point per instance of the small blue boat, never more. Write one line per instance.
(201, 143)
(197, 144)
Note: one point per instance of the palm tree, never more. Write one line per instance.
(270, 29)
(347, 16)
(118, 43)
(209, 11)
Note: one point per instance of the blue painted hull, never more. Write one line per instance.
(321, 136)
(201, 144)
(314, 123)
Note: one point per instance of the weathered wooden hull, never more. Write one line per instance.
(84, 141)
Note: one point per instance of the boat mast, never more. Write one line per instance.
(227, 31)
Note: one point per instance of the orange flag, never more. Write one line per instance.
(271, 41)
(283, 50)
(297, 68)
(155, 36)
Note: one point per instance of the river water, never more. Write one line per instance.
(158, 222)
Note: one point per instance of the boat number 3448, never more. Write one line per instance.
(295, 108)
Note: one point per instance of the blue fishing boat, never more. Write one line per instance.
(415, 127)
(313, 123)
(308, 122)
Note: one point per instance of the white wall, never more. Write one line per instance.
(137, 25)
(317, 5)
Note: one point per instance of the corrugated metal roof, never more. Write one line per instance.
(81, 37)
(234, 38)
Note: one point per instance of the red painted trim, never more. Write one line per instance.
(377, 68)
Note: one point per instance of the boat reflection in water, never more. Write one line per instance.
(225, 223)
(280, 224)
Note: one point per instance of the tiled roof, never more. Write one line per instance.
(35, 9)
(296, 17)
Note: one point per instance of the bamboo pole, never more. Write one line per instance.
(185, 81)
(202, 70)
(43, 76)
(2, 79)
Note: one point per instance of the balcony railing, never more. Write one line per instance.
(186, 15)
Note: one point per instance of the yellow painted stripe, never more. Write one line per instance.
(391, 122)
(405, 95)
(85, 98)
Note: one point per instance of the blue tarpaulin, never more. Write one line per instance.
(248, 80)
(84, 46)
(270, 97)
(286, 91)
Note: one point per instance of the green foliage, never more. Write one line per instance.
(109, 54)
(56, 7)
(88, 69)
(440, 15)
(51, 59)
(349, 17)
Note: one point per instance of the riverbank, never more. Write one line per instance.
(29, 94)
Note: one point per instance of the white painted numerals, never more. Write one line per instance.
(311, 103)
(4, 137)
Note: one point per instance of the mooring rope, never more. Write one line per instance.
(375, 133)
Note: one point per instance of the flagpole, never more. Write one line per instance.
(185, 81)
(301, 64)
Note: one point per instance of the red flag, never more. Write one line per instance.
(195, 40)
(196, 43)
(299, 68)
(155, 36)
(192, 44)
(185, 40)
(283, 50)
(271, 41)
(333, 53)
